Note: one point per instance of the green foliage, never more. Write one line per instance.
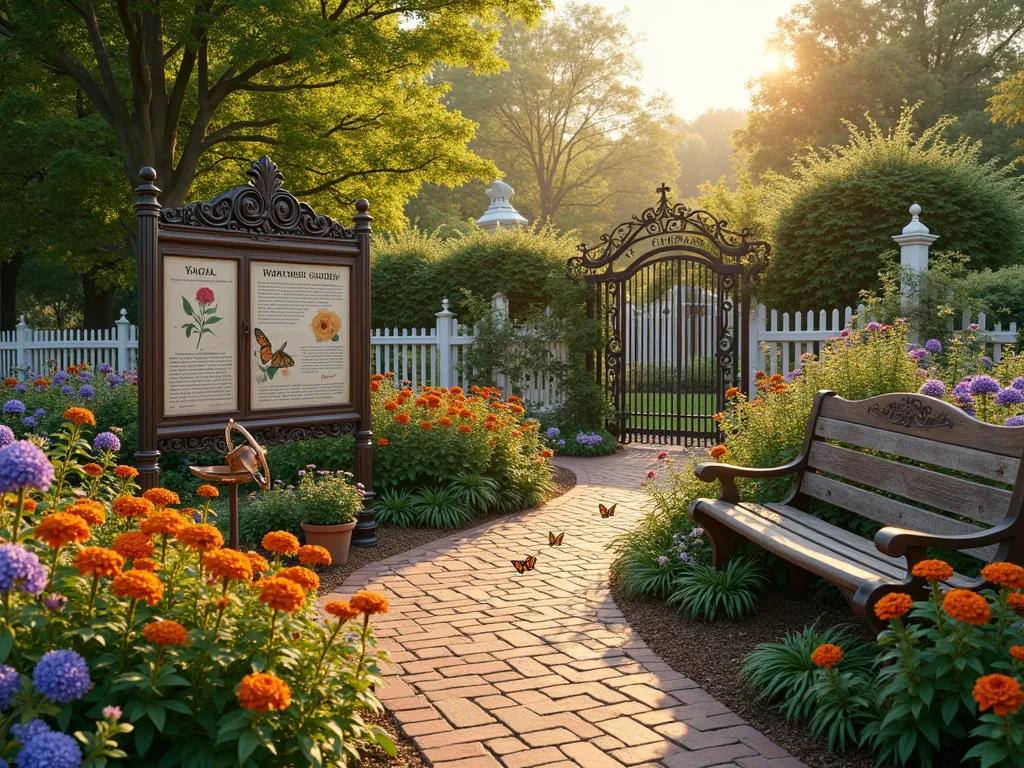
(998, 293)
(275, 510)
(783, 673)
(704, 149)
(581, 441)
(707, 593)
(328, 499)
(395, 507)
(837, 213)
(699, 375)
(441, 506)
(478, 492)
(407, 281)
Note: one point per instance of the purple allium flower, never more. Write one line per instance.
(55, 603)
(922, 373)
(10, 684)
(987, 362)
(14, 407)
(106, 441)
(20, 388)
(553, 432)
(912, 347)
(662, 561)
(6, 435)
(796, 373)
(29, 423)
(113, 380)
(60, 377)
(1018, 383)
(589, 439)
(112, 713)
(561, 443)
(50, 750)
(968, 409)
(873, 326)
(917, 354)
(984, 385)
(67, 390)
(85, 375)
(39, 413)
(62, 676)
(196, 517)
(23, 465)
(24, 731)
(1010, 396)
(684, 557)
(87, 391)
(1015, 421)
(933, 346)
(933, 388)
(105, 368)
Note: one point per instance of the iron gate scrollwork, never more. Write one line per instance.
(672, 287)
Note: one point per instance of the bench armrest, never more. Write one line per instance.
(727, 474)
(896, 541)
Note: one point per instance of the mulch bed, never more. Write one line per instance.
(711, 654)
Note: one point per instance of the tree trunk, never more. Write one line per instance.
(9, 291)
(98, 311)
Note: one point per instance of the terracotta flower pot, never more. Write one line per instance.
(336, 539)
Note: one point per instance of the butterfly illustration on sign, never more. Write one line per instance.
(524, 565)
(272, 360)
(203, 317)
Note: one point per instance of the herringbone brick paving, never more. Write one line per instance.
(495, 669)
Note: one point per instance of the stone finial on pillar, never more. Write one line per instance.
(500, 212)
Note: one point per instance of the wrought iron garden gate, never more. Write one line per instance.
(671, 286)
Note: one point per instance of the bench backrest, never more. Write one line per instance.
(972, 469)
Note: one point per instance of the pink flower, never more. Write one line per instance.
(662, 455)
(651, 475)
(112, 713)
(204, 296)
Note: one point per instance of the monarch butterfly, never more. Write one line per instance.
(522, 566)
(607, 511)
(555, 541)
(279, 359)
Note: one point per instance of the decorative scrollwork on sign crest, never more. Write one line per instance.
(260, 208)
(911, 412)
(273, 435)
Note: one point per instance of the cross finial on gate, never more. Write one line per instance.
(663, 190)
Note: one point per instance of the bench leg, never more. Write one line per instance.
(721, 542)
(797, 580)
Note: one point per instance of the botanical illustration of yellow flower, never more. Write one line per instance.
(326, 325)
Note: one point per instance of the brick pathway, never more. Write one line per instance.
(495, 669)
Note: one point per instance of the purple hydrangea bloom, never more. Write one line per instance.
(984, 385)
(1015, 421)
(20, 570)
(14, 407)
(24, 731)
(10, 684)
(873, 326)
(553, 432)
(1010, 396)
(561, 443)
(20, 388)
(113, 380)
(50, 750)
(684, 557)
(62, 676)
(23, 465)
(934, 346)
(39, 413)
(60, 377)
(933, 388)
(104, 368)
(589, 439)
(67, 390)
(662, 561)
(6, 435)
(87, 391)
(106, 441)
(29, 423)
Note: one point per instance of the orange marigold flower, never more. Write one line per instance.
(135, 545)
(72, 369)
(207, 492)
(402, 418)
(490, 443)
(92, 469)
(281, 543)
(776, 388)
(165, 633)
(827, 655)
(377, 377)
(139, 585)
(518, 410)
(41, 382)
(263, 692)
(1017, 652)
(166, 522)
(229, 564)
(28, 506)
(775, 378)
(1016, 602)
(98, 561)
(1004, 574)
(258, 562)
(341, 609)
(444, 421)
(374, 386)
(133, 507)
(201, 537)
(383, 442)
(304, 577)
(517, 433)
(281, 594)
(465, 429)
(61, 528)
(81, 416)
(933, 570)
(369, 603)
(390, 405)
(10, 381)
(425, 426)
(161, 497)
(465, 413)
(91, 511)
(547, 453)
(893, 605)
(966, 606)
(123, 470)
(311, 554)
(719, 451)
(145, 564)
(455, 390)
(732, 392)
(1000, 693)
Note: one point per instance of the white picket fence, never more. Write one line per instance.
(29, 347)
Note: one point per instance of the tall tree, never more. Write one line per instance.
(848, 57)
(704, 150)
(566, 122)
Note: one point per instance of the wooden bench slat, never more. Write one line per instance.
(923, 416)
(992, 466)
(888, 511)
(952, 494)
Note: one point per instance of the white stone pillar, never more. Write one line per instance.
(123, 334)
(22, 336)
(443, 327)
(914, 244)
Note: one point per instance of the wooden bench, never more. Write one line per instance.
(865, 456)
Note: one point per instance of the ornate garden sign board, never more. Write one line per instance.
(672, 287)
(253, 308)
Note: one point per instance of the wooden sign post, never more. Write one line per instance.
(254, 308)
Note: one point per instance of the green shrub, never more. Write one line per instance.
(478, 492)
(441, 506)
(581, 441)
(329, 499)
(274, 510)
(707, 593)
(998, 293)
(395, 507)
